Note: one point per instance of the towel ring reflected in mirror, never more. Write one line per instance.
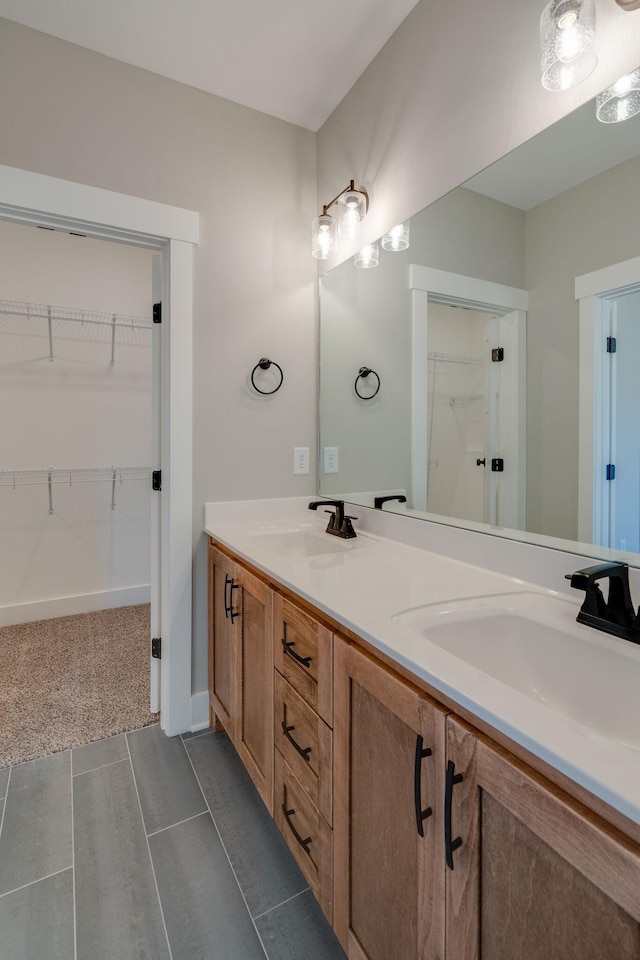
(363, 373)
(263, 364)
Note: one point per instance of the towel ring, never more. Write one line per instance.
(264, 364)
(364, 373)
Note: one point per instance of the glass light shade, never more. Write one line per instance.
(620, 101)
(323, 236)
(397, 238)
(352, 209)
(567, 35)
(367, 257)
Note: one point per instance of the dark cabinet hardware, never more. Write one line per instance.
(497, 465)
(230, 585)
(614, 615)
(378, 501)
(303, 843)
(450, 845)
(263, 364)
(421, 815)
(288, 648)
(339, 524)
(303, 751)
(481, 463)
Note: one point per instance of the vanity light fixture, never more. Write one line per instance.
(368, 257)
(621, 100)
(397, 238)
(353, 204)
(567, 35)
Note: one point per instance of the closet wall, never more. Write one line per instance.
(76, 411)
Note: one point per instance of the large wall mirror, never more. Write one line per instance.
(503, 345)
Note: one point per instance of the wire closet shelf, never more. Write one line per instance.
(50, 476)
(40, 319)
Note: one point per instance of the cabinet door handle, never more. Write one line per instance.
(303, 751)
(303, 843)
(417, 791)
(449, 843)
(228, 599)
(288, 648)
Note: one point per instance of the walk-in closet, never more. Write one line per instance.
(76, 336)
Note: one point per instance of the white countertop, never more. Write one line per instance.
(372, 578)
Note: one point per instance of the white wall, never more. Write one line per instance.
(74, 411)
(71, 113)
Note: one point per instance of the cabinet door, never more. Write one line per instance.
(252, 726)
(531, 873)
(388, 772)
(221, 636)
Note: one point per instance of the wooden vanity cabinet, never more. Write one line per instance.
(389, 742)
(241, 665)
(534, 874)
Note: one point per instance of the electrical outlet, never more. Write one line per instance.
(301, 460)
(330, 459)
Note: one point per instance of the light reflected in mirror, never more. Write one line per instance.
(537, 257)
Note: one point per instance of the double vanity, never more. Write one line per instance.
(452, 759)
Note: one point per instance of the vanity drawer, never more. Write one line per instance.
(307, 834)
(305, 742)
(303, 655)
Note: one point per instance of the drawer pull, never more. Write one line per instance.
(303, 843)
(417, 792)
(303, 751)
(288, 648)
(449, 844)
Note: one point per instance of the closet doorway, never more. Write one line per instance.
(75, 488)
(28, 197)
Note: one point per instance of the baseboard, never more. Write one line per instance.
(199, 711)
(67, 606)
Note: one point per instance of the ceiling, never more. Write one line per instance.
(293, 59)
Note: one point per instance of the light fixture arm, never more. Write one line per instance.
(350, 188)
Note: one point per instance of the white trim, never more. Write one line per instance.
(34, 198)
(607, 279)
(68, 606)
(481, 294)
(28, 196)
(199, 711)
(419, 400)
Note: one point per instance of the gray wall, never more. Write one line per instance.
(71, 113)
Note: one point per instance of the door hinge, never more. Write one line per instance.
(611, 471)
(497, 354)
(156, 480)
(612, 344)
(157, 313)
(156, 648)
(497, 465)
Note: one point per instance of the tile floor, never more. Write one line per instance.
(149, 848)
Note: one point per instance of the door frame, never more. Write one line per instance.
(428, 283)
(27, 197)
(593, 291)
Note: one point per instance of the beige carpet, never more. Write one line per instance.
(72, 680)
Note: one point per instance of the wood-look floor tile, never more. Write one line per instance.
(117, 908)
(265, 868)
(99, 754)
(37, 921)
(36, 831)
(205, 914)
(169, 792)
(298, 928)
(4, 779)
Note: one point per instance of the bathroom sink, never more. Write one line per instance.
(531, 643)
(301, 542)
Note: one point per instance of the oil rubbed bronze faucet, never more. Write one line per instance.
(614, 615)
(339, 525)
